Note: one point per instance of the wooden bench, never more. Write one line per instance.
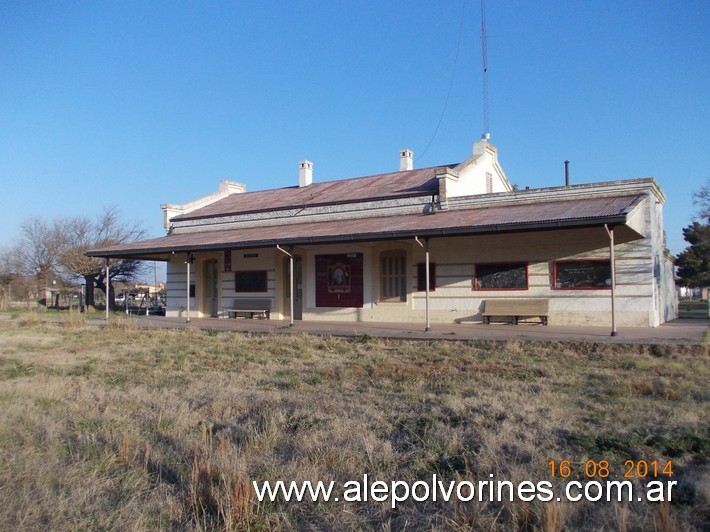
(260, 307)
(516, 309)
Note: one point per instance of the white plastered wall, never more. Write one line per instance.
(262, 259)
(479, 174)
(176, 287)
(455, 298)
(241, 261)
(665, 298)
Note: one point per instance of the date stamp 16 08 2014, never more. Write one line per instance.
(631, 469)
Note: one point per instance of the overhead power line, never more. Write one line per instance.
(451, 84)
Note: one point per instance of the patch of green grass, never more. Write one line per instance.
(363, 339)
(118, 380)
(89, 425)
(672, 444)
(18, 370)
(313, 379)
(288, 379)
(7, 397)
(695, 442)
(298, 422)
(84, 369)
(171, 382)
(164, 424)
(47, 404)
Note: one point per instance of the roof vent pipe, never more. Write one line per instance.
(566, 173)
(305, 173)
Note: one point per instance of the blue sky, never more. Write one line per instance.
(142, 103)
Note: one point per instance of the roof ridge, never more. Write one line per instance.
(389, 185)
(340, 180)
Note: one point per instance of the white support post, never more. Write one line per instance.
(108, 286)
(189, 261)
(610, 232)
(425, 245)
(290, 276)
(426, 252)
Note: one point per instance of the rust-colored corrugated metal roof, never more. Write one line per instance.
(420, 182)
(498, 218)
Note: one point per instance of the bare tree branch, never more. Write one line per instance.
(106, 230)
(56, 248)
(701, 199)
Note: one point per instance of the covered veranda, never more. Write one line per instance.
(608, 215)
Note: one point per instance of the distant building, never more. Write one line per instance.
(359, 247)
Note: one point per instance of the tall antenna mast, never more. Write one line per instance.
(486, 125)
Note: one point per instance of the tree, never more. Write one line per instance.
(38, 250)
(106, 230)
(701, 199)
(694, 262)
(8, 273)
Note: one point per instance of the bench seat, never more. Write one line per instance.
(516, 309)
(249, 308)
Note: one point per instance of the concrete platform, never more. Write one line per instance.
(680, 331)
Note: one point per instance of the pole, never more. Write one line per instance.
(291, 287)
(610, 232)
(290, 276)
(187, 298)
(155, 284)
(426, 253)
(425, 246)
(108, 286)
(484, 49)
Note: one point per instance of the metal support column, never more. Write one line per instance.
(290, 276)
(425, 245)
(189, 261)
(610, 232)
(108, 286)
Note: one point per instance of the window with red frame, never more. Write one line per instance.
(504, 276)
(582, 275)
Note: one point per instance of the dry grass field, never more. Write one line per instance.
(131, 429)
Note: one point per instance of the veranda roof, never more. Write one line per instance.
(506, 218)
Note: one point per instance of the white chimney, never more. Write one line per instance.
(406, 160)
(305, 173)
